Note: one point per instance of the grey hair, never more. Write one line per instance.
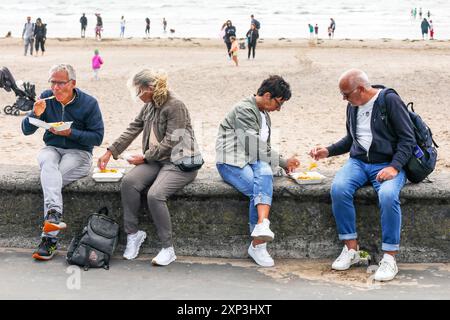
(63, 67)
(355, 78)
(155, 79)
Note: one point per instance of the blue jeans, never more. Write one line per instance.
(254, 180)
(355, 174)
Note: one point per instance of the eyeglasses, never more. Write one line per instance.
(347, 95)
(141, 92)
(279, 103)
(58, 83)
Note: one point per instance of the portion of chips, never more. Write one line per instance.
(108, 171)
(308, 176)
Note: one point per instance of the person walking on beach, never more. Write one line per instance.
(332, 27)
(424, 27)
(83, 22)
(234, 49)
(164, 24)
(377, 156)
(431, 30)
(147, 27)
(415, 13)
(420, 13)
(246, 159)
(428, 14)
(122, 26)
(28, 35)
(97, 62)
(230, 31)
(98, 27)
(252, 38)
(40, 35)
(316, 30)
(311, 31)
(169, 161)
(67, 155)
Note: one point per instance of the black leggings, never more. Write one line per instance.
(250, 47)
(41, 41)
(228, 48)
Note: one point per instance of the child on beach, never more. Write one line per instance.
(329, 32)
(234, 49)
(97, 61)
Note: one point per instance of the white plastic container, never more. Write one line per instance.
(99, 176)
(308, 177)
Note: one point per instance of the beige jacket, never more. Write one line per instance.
(173, 134)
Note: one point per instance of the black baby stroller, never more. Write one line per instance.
(25, 97)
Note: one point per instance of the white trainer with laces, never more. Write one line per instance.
(165, 257)
(387, 270)
(346, 259)
(134, 242)
(260, 255)
(262, 231)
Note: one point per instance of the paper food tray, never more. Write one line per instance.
(107, 176)
(314, 177)
(59, 126)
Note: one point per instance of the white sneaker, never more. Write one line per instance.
(134, 242)
(345, 259)
(262, 231)
(387, 269)
(164, 257)
(260, 255)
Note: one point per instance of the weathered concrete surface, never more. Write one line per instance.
(210, 218)
(221, 279)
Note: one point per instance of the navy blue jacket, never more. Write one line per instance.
(87, 127)
(394, 148)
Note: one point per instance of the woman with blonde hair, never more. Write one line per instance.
(170, 160)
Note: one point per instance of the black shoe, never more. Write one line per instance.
(46, 250)
(53, 221)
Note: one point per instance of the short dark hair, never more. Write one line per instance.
(276, 86)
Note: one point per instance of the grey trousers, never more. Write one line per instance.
(59, 167)
(28, 42)
(161, 180)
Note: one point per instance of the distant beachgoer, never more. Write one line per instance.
(431, 30)
(412, 13)
(424, 26)
(234, 49)
(316, 30)
(428, 14)
(28, 35)
(97, 62)
(255, 22)
(8, 34)
(40, 35)
(122, 27)
(332, 26)
(83, 22)
(164, 24)
(98, 27)
(252, 38)
(415, 12)
(420, 13)
(230, 31)
(329, 32)
(311, 30)
(147, 27)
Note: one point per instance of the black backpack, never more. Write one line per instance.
(95, 245)
(423, 159)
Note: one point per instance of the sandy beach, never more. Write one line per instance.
(209, 84)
